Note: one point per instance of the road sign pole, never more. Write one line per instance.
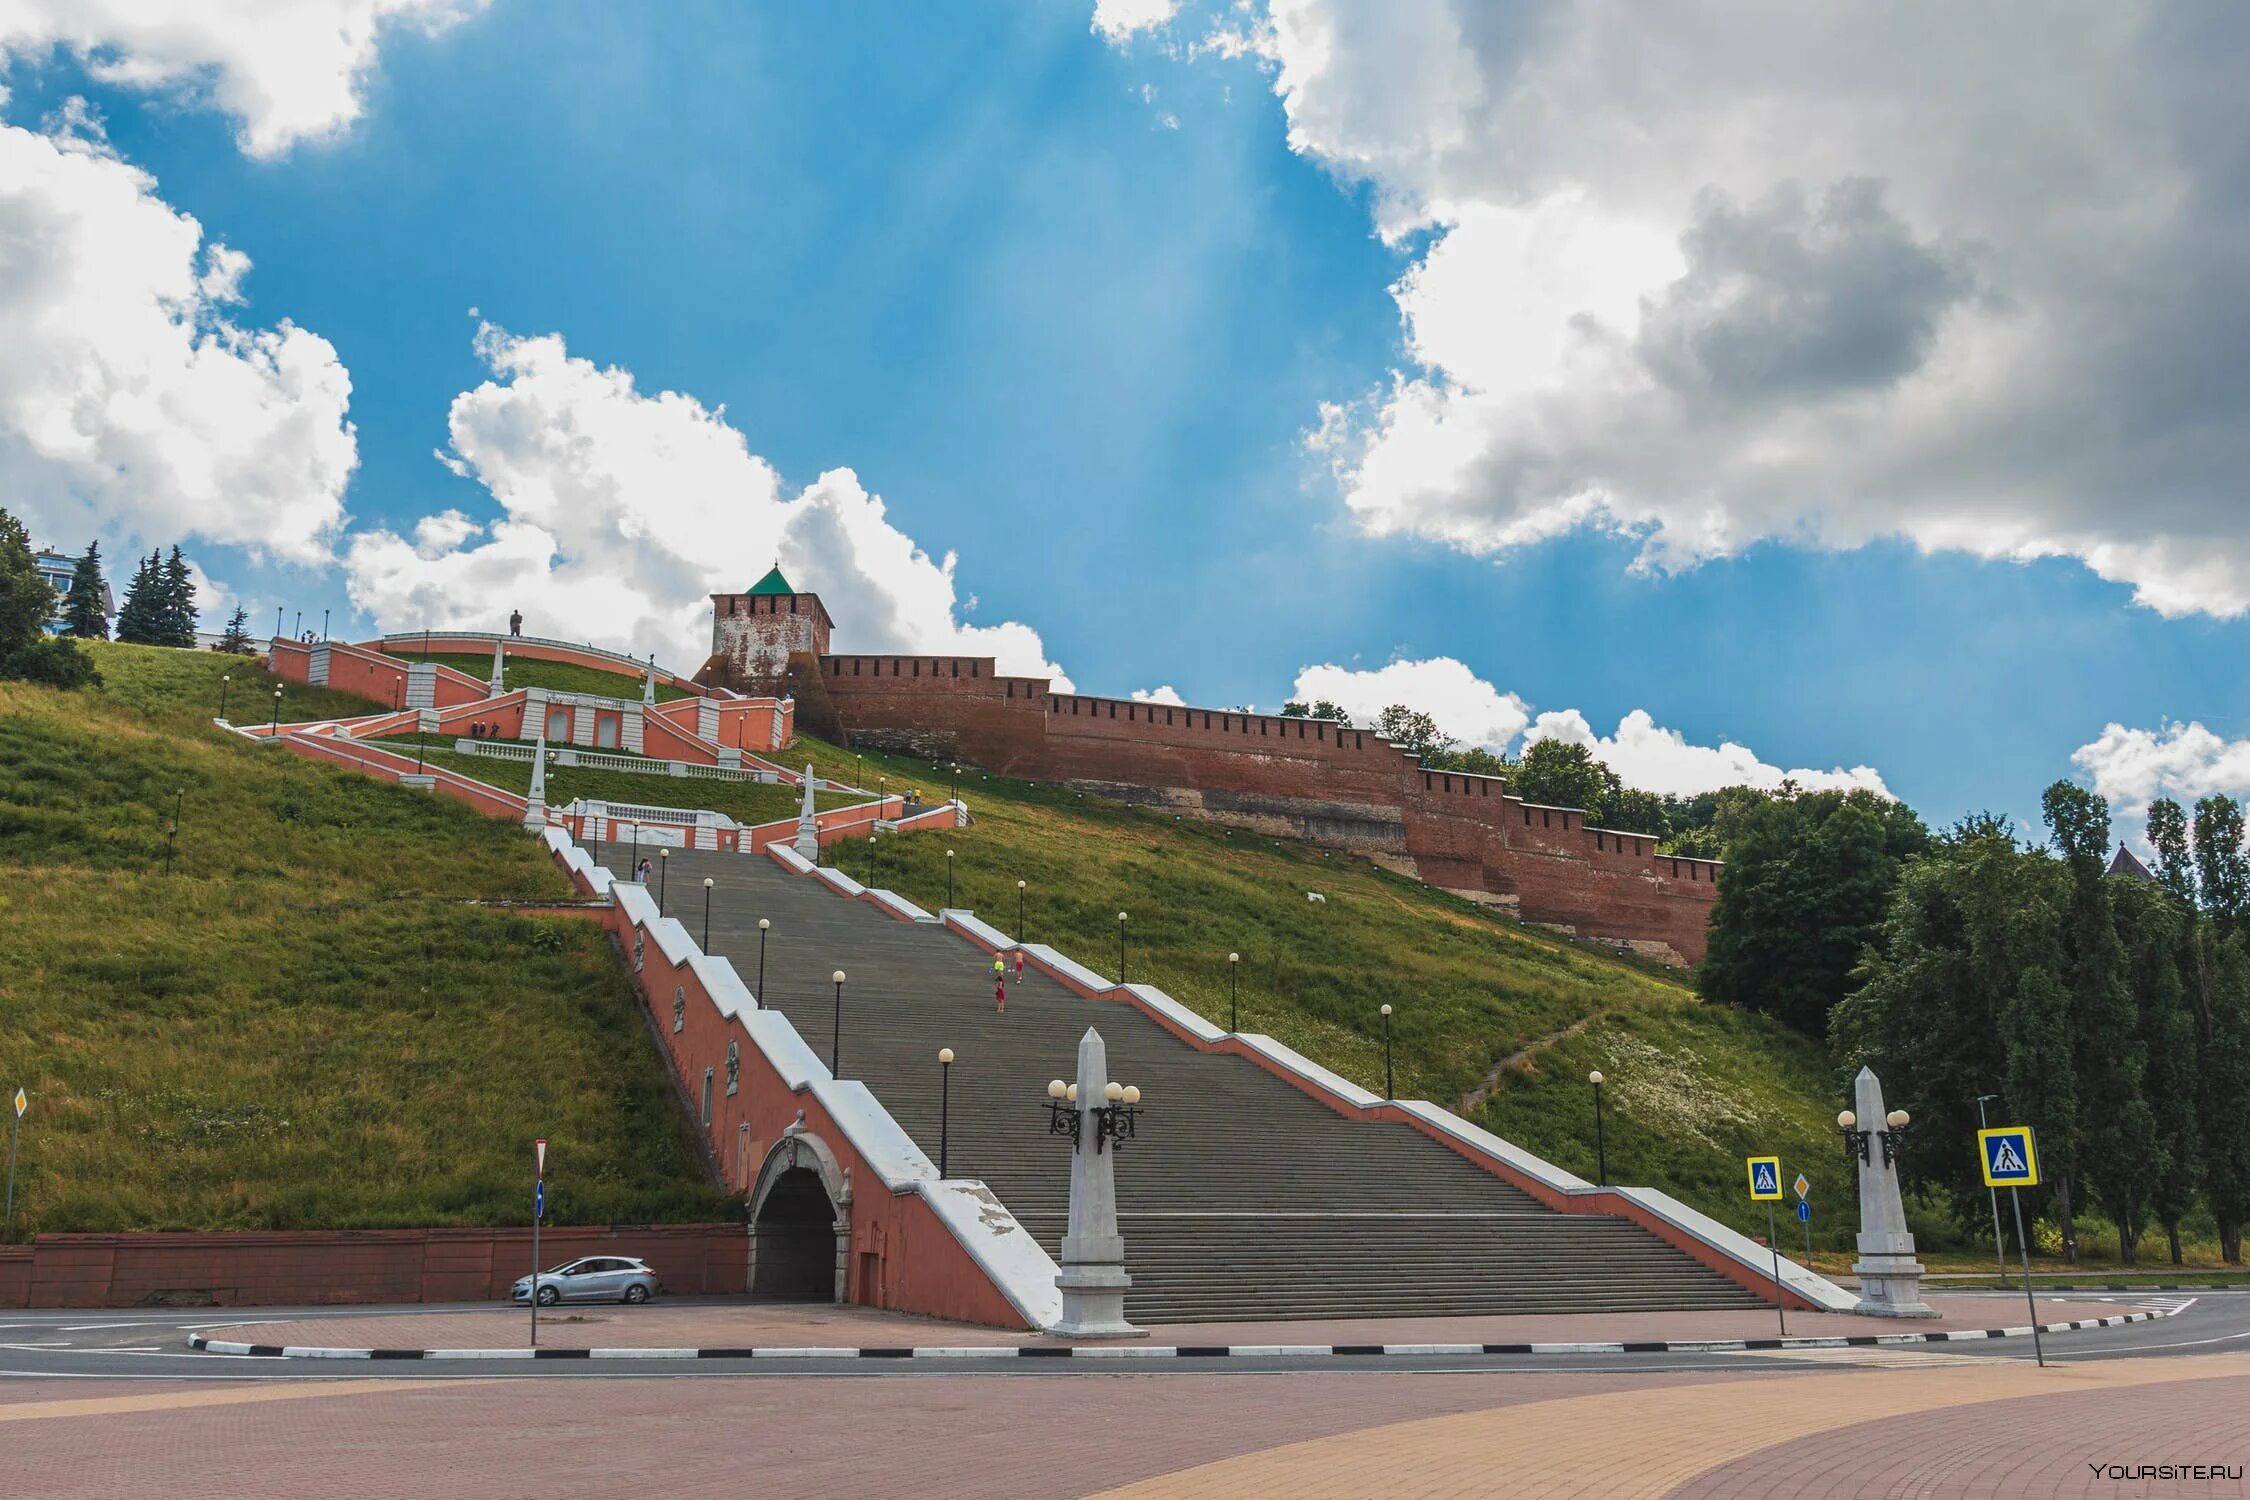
(1806, 1215)
(1774, 1244)
(2015, 1201)
(538, 1212)
(1999, 1243)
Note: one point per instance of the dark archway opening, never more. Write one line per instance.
(796, 1240)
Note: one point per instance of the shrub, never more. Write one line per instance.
(53, 660)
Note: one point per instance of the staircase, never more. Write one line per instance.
(1242, 1196)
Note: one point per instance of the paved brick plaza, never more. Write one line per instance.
(1972, 1428)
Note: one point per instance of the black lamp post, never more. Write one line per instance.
(277, 621)
(274, 729)
(224, 679)
(1855, 1139)
(663, 877)
(300, 624)
(1117, 1118)
(945, 1105)
(871, 860)
(764, 926)
(1389, 1092)
(836, 1031)
(1601, 1154)
(949, 877)
(324, 624)
(636, 851)
(1234, 997)
(708, 882)
(1121, 949)
(953, 782)
(1019, 911)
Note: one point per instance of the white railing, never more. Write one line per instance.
(602, 760)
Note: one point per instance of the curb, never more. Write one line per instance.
(984, 1352)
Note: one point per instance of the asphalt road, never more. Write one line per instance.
(150, 1344)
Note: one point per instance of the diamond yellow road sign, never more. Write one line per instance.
(23, 1102)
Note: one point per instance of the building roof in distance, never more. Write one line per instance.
(772, 583)
(2123, 863)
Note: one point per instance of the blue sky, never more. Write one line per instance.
(1071, 305)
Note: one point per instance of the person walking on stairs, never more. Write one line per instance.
(1000, 992)
(1019, 965)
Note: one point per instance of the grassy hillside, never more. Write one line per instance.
(560, 676)
(1479, 1000)
(305, 1024)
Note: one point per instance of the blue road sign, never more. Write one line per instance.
(2010, 1158)
(1804, 1212)
(539, 1200)
(1765, 1177)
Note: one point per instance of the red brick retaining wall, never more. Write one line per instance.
(287, 1268)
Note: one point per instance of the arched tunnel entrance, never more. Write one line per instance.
(794, 1239)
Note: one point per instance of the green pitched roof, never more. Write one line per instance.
(772, 583)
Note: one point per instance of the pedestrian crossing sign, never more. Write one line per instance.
(1765, 1178)
(2010, 1159)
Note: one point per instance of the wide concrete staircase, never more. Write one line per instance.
(1242, 1197)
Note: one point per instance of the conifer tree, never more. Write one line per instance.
(137, 614)
(178, 596)
(2158, 931)
(2117, 1129)
(27, 601)
(2223, 1074)
(83, 615)
(236, 639)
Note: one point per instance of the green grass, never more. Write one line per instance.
(557, 676)
(307, 1024)
(743, 801)
(1692, 1090)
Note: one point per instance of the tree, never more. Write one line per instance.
(2118, 1138)
(2158, 929)
(27, 601)
(1558, 773)
(236, 638)
(2221, 872)
(1415, 733)
(1808, 882)
(2168, 835)
(1959, 996)
(178, 608)
(139, 614)
(1632, 810)
(83, 614)
(1319, 708)
(2222, 972)
(54, 660)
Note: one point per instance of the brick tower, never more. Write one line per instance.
(754, 634)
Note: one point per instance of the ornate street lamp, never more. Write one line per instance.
(1117, 1119)
(1389, 1092)
(1855, 1139)
(1601, 1153)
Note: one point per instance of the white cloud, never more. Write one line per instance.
(1644, 754)
(1120, 21)
(1712, 275)
(2133, 767)
(1164, 694)
(1479, 715)
(133, 405)
(288, 70)
(621, 511)
(1465, 706)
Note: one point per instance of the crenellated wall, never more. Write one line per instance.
(1303, 778)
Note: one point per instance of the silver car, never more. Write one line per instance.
(597, 1278)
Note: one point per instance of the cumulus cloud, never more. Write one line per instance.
(134, 405)
(287, 70)
(1711, 275)
(1474, 712)
(2133, 767)
(1121, 20)
(1164, 694)
(622, 510)
(1465, 706)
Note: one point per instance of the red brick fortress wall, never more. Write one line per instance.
(1299, 777)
